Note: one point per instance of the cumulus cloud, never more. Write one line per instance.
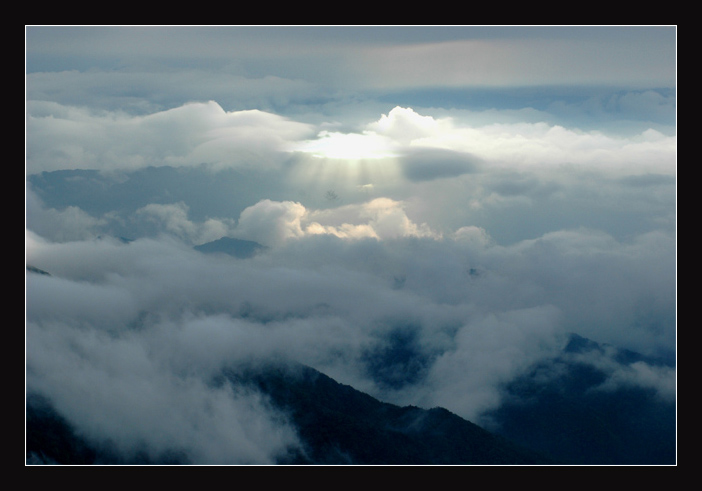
(430, 147)
(405, 125)
(513, 145)
(271, 222)
(62, 137)
(68, 137)
(427, 147)
(388, 220)
(517, 179)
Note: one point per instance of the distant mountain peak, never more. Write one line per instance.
(240, 248)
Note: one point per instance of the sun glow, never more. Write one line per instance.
(349, 146)
(355, 163)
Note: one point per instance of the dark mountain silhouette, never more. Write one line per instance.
(340, 425)
(234, 247)
(49, 437)
(51, 440)
(336, 424)
(569, 417)
(556, 420)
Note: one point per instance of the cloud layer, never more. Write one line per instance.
(61, 137)
(427, 239)
(467, 314)
(65, 137)
(325, 68)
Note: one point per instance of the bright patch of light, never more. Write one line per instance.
(349, 146)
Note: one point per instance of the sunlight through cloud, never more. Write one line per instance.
(352, 146)
(232, 232)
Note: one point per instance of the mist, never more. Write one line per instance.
(420, 237)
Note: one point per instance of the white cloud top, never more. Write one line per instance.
(203, 133)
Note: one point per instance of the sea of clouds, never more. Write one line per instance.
(435, 262)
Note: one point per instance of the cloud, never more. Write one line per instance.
(641, 374)
(174, 219)
(149, 323)
(61, 137)
(143, 91)
(489, 351)
(540, 57)
(540, 144)
(459, 146)
(425, 147)
(514, 180)
(619, 109)
(589, 275)
(467, 240)
(272, 223)
(427, 164)
(625, 266)
(347, 146)
(116, 392)
(404, 125)
(388, 220)
(368, 57)
(473, 235)
(68, 224)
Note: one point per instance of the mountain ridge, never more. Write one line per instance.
(576, 416)
(566, 420)
(376, 432)
(337, 425)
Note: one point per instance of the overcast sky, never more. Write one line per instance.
(475, 191)
(142, 69)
